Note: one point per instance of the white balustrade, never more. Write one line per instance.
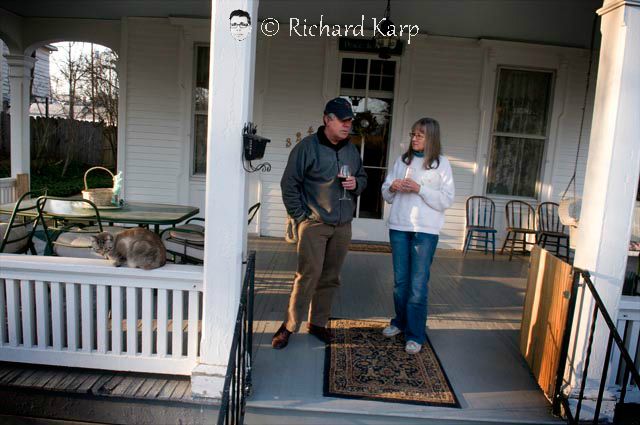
(7, 190)
(628, 326)
(87, 313)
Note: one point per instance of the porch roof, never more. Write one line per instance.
(561, 22)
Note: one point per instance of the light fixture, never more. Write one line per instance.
(384, 38)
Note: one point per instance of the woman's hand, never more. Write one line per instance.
(396, 186)
(408, 185)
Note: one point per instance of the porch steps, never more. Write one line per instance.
(99, 396)
(322, 413)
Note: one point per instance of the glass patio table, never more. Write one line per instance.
(140, 213)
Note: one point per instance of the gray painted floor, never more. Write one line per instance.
(475, 308)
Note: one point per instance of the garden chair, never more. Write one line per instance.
(68, 226)
(18, 229)
(521, 223)
(550, 230)
(480, 231)
(186, 241)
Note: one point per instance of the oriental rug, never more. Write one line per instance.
(361, 363)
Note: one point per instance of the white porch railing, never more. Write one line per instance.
(87, 313)
(7, 190)
(628, 327)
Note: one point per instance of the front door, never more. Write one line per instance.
(368, 83)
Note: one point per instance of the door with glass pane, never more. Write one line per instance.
(368, 84)
(520, 132)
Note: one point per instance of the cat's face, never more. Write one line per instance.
(102, 243)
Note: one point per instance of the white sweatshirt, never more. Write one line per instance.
(423, 211)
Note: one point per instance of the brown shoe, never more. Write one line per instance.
(320, 332)
(281, 337)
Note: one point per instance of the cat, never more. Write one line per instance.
(136, 247)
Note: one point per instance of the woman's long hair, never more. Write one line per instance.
(432, 146)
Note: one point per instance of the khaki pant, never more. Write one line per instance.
(322, 249)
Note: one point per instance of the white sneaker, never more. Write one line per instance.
(391, 331)
(412, 347)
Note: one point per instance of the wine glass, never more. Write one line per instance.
(345, 171)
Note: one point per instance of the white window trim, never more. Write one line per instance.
(528, 56)
(545, 138)
(193, 113)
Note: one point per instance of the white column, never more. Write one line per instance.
(19, 84)
(611, 181)
(230, 106)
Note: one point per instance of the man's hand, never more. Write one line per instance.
(409, 185)
(350, 183)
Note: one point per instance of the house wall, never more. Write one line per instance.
(450, 79)
(41, 74)
(154, 148)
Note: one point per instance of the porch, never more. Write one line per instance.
(475, 308)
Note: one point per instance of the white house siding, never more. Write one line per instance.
(155, 151)
(446, 82)
(289, 99)
(4, 71)
(41, 74)
(445, 85)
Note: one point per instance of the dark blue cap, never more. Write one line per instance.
(340, 107)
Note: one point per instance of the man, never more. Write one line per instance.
(313, 196)
(240, 24)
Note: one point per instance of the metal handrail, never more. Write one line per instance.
(237, 381)
(614, 336)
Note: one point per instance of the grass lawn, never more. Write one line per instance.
(50, 178)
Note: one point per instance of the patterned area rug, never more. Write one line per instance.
(361, 363)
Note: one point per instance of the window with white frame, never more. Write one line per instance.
(368, 83)
(200, 108)
(520, 132)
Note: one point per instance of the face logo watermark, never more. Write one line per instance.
(240, 24)
(300, 28)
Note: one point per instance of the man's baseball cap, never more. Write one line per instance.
(340, 107)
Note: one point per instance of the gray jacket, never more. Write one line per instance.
(310, 184)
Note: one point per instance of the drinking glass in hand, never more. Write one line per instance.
(344, 172)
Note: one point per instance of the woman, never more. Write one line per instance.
(419, 188)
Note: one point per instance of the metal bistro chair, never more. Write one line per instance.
(521, 221)
(187, 240)
(550, 230)
(68, 226)
(480, 231)
(17, 232)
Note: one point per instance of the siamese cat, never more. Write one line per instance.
(136, 247)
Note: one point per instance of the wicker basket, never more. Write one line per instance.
(101, 196)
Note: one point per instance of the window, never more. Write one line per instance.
(200, 108)
(519, 134)
(368, 84)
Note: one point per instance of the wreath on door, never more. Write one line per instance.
(364, 123)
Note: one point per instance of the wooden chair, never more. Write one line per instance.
(480, 231)
(550, 230)
(17, 232)
(521, 222)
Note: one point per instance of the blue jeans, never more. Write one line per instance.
(412, 254)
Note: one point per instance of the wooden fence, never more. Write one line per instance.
(86, 313)
(55, 138)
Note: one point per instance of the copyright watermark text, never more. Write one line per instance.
(301, 28)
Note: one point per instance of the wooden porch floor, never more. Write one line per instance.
(475, 308)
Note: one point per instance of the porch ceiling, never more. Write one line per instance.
(562, 22)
